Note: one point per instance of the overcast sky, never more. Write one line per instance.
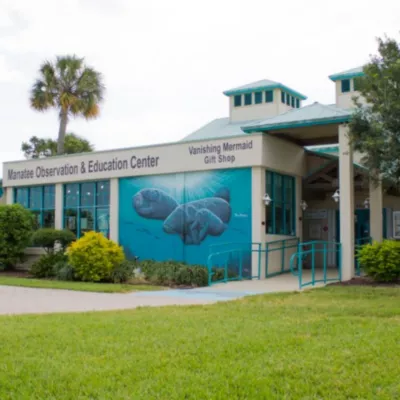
(165, 63)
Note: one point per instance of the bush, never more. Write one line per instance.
(174, 273)
(46, 265)
(123, 272)
(64, 271)
(48, 238)
(16, 226)
(93, 257)
(381, 261)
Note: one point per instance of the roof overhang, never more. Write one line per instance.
(292, 92)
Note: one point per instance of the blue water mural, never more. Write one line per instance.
(179, 216)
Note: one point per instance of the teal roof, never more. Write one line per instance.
(329, 155)
(264, 84)
(326, 149)
(218, 128)
(350, 73)
(311, 115)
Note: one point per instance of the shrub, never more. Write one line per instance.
(48, 238)
(63, 271)
(45, 266)
(16, 226)
(123, 272)
(174, 273)
(93, 257)
(381, 261)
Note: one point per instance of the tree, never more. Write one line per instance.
(40, 148)
(69, 86)
(375, 125)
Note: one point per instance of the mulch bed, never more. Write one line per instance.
(15, 274)
(365, 281)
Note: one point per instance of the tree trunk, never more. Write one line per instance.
(62, 131)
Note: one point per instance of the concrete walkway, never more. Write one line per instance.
(19, 300)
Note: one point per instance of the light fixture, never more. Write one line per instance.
(336, 196)
(366, 203)
(266, 199)
(303, 205)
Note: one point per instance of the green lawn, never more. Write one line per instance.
(81, 286)
(333, 343)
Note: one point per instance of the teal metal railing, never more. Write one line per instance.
(231, 262)
(280, 247)
(313, 249)
(358, 245)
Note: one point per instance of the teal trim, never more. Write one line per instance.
(267, 87)
(295, 124)
(324, 149)
(339, 77)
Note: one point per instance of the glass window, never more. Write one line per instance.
(280, 214)
(297, 103)
(87, 207)
(269, 96)
(258, 97)
(293, 101)
(345, 85)
(238, 100)
(283, 97)
(288, 97)
(40, 200)
(247, 99)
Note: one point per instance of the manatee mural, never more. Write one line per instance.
(182, 216)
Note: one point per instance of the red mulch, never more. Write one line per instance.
(365, 281)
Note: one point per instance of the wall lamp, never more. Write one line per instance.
(303, 205)
(336, 196)
(366, 203)
(266, 199)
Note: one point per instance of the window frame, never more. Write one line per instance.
(297, 103)
(43, 207)
(345, 88)
(258, 97)
(282, 203)
(79, 207)
(246, 97)
(269, 96)
(237, 100)
(283, 97)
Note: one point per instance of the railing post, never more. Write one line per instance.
(259, 261)
(266, 258)
(313, 263)
(300, 256)
(325, 256)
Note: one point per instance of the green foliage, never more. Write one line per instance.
(16, 225)
(46, 265)
(44, 147)
(123, 272)
(179, 273)
(375, 127)
(49, 237)
(63, 271)
(381, 261)
(69, 86)
(94, 257)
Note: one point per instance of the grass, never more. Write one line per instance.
(80, 286)
(331, 343)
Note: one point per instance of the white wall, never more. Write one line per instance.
(345, 100)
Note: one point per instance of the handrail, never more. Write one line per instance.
(282, 248)
(313, 251)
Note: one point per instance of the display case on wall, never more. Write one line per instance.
(396, 224)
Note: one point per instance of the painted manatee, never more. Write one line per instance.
(195, 220)
(153, 204)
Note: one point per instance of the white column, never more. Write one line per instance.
(376, 211)
(346, 185)
(58, 217)
(114, 209)
(257, 218)
(9, 195)
(299, 211)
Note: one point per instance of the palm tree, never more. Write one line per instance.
(69, 86)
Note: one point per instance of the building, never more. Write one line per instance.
(266, 173)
